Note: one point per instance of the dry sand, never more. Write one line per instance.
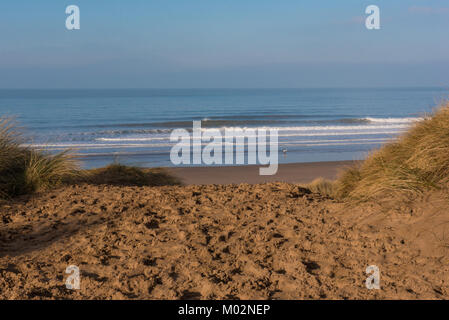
(263, 241)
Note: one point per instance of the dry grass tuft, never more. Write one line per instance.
(415, 162)
(322, 186)
(25, 170)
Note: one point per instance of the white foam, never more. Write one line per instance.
(393, 120)
(130, 139)
(88, 146)
(335, 144)
(323, 128)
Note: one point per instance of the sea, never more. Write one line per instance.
(133, 126)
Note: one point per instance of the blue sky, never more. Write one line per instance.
(223, 43)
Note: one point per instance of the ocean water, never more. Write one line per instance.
(133, 126)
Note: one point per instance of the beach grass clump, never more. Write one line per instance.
(44, 171)
(415, 162)
(322, 186)
(24, 170)
(122, 175)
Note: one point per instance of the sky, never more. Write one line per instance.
(223, 44)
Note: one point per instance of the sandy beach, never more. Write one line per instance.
(220, 241)
(291, 172)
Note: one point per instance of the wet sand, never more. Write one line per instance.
(291, 172)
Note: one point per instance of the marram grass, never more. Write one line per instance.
(416, 162)
(24, 170)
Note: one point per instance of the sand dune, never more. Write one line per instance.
(263, 241)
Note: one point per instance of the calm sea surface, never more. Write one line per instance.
(133, 126)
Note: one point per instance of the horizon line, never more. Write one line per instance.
(239, 88)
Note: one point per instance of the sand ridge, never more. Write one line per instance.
(263, 241)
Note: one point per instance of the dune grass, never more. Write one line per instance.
(323, 187)
(415, 162)
(24, 170)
